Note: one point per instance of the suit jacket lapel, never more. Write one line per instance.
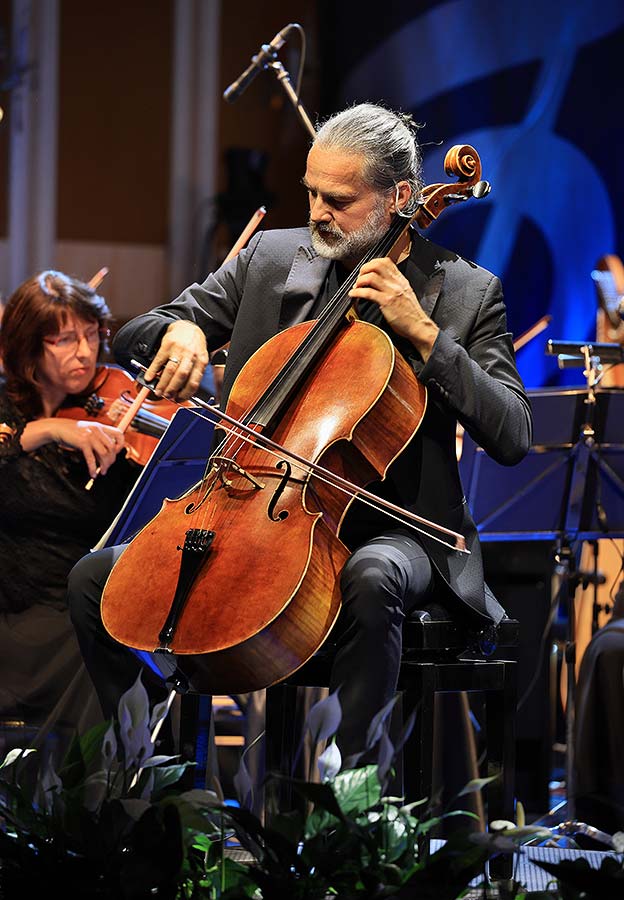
(305, 279)
(424, 273)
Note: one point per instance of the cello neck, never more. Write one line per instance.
(275, 398)
(461, 160)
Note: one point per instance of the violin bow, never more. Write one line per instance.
(246, 233)
(98, 278)
(141, 396)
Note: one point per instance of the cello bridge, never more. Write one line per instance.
(224, 464)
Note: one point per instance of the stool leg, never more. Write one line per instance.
(197, 740)
(501, 749)
(281, 745)
(418, 749)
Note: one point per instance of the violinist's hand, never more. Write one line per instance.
(180, 361)
(98, 443)
(380, 281)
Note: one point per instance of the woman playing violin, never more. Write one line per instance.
(53, 332)
(443, 314)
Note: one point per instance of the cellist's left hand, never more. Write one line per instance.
(382, 282)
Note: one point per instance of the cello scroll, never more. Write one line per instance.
(464, 162)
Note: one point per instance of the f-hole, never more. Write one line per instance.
(279, 490)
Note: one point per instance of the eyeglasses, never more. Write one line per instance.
(69, 341)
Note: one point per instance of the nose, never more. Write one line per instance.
(319, 210)
(83, 345)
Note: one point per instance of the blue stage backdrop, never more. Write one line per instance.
(536, 88)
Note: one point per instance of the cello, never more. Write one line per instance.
(300, 444)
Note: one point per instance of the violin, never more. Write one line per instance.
(235, 584)
(108, 396)
(106, 399)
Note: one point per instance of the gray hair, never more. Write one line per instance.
(385, 139)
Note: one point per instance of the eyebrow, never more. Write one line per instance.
(93, 327)
(330, 197)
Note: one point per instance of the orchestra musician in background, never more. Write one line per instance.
(599, 619)
(594, 603)
(54, 330)
(599, 725)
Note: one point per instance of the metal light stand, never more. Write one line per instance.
(574, 354)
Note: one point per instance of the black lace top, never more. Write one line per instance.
(48, 521)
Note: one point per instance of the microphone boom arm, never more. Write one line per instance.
(266, 58)
(284, 79)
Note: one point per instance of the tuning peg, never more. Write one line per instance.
(454, 198)
(481, 189)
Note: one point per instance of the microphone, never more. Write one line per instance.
(265, 54)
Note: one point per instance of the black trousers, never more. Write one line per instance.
(383, 580)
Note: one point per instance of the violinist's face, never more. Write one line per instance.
(68, 360)
(347, 216)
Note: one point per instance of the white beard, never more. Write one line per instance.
(345, 245)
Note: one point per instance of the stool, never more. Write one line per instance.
(437, 656)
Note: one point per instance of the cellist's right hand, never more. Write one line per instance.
(180, 361)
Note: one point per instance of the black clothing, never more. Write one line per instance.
(599, 726)
(470, 376)
(47, 522)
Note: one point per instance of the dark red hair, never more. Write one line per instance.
(39, 308)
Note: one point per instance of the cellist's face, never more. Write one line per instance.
(347, 216)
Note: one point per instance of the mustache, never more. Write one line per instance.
(325, 228)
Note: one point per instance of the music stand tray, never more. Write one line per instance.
(560, 487)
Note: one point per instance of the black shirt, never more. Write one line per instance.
(48, 521)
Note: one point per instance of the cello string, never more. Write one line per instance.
(316, 338)
(329, 319)
(322, 331)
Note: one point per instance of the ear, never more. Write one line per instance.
(402, 194)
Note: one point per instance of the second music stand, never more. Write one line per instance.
(569, 489)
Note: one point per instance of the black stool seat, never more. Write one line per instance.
(446, 634)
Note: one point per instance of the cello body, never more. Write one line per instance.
(264, 593)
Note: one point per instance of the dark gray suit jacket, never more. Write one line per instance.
(471, 375)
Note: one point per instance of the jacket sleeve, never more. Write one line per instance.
(477, 378)
(212, 305)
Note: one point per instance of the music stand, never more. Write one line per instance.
(569, 489)
(178, 461)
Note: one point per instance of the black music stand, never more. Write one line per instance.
(178, 462)
(569, 489)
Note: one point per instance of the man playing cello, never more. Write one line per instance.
(444, 315)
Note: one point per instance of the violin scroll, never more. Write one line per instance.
(464, 162)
